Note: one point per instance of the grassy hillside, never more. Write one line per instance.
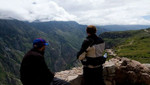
(114, 39)
(131, 44)
(136, 47)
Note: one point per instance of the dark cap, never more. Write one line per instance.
(39, 42)
(91, 29)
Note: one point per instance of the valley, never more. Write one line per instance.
(65, 39)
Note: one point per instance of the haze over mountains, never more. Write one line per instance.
(124, 27)
(64, 38)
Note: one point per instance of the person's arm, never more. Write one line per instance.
(47, 74)
(86, 43)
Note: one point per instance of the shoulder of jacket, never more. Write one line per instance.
(33, 53)
(100, 40)
(89, 40)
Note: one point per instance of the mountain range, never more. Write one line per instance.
(123, 27)
(16, 39)
(64, 38)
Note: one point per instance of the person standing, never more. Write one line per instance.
(92, 48)
(34, 71)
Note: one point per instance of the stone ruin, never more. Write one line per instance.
(116, 71)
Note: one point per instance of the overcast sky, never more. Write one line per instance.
(97, 12)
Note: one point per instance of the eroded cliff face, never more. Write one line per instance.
(116, 71)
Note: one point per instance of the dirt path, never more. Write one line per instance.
(130, 43)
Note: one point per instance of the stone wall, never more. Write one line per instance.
(116, 71)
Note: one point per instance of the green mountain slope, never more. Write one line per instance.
(131, 44)
(12, 49)
(16, 39)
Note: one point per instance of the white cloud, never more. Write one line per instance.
(99, 12)
(103, 12)
(31, 10)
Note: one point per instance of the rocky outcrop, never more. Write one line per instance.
(116, 71)
(123, 71)
(69, 75)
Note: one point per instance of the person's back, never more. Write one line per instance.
(94, 54)
(92, 63)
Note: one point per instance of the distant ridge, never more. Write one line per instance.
(124, 27)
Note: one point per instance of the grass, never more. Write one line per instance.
(2, 74)
(136, 47)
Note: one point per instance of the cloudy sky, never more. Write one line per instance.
(97, 12)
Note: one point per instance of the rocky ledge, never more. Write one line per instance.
(116, 71)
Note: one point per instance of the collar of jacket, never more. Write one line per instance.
(36, 50)
(93, 36)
